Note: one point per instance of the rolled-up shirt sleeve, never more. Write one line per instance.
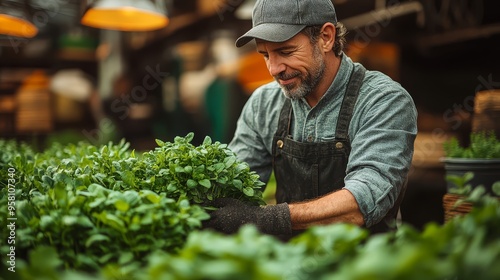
(382, 136)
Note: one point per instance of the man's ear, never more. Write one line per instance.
(327, 37)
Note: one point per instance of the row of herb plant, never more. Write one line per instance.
(465, 248)
(74, 223)
(99, 205)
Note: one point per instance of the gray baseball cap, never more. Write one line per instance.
(280, 20)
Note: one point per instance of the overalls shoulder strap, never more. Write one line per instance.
(348, 103)
(285, 119)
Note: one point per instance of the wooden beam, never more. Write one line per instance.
(457, 36)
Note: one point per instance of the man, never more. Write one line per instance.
(340, 138)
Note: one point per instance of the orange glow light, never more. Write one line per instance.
(17, 27)
(124, 19)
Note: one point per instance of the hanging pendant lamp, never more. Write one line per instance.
(14, 20)
(126, 15)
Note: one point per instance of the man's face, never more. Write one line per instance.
(296, 64)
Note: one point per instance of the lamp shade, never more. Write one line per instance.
(128, 15)
(14, 20)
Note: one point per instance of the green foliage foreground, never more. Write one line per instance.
(86, 212)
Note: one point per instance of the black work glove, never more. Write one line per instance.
(232, 214)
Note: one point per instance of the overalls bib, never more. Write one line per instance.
(306, 171)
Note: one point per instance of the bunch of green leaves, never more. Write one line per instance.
(91, 226)
(10, 149)
(82, 163)
(484, 145)
(19, 156)
(199, 173)
(466, 247)
(460, 184)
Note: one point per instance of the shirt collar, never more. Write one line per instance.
(339, 85)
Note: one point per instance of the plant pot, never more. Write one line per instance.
(452, 209)
(486, 171)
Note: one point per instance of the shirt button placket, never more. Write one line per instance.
(311, 128)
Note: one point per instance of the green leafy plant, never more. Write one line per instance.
(461, 185)
(198, 173)
(80, 215)
(472, 194)
(99, 205)
(465, 248)
(483, 145)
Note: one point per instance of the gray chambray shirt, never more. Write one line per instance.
(382, 132)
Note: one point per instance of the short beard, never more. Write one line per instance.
(309, 83)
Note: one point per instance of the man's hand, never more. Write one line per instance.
(232, 214)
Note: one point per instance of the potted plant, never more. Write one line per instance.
(455, 199)
(481, 157)
(463, 196)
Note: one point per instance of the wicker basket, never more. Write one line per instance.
(451, 209)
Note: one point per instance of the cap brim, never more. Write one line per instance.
(272, 32)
